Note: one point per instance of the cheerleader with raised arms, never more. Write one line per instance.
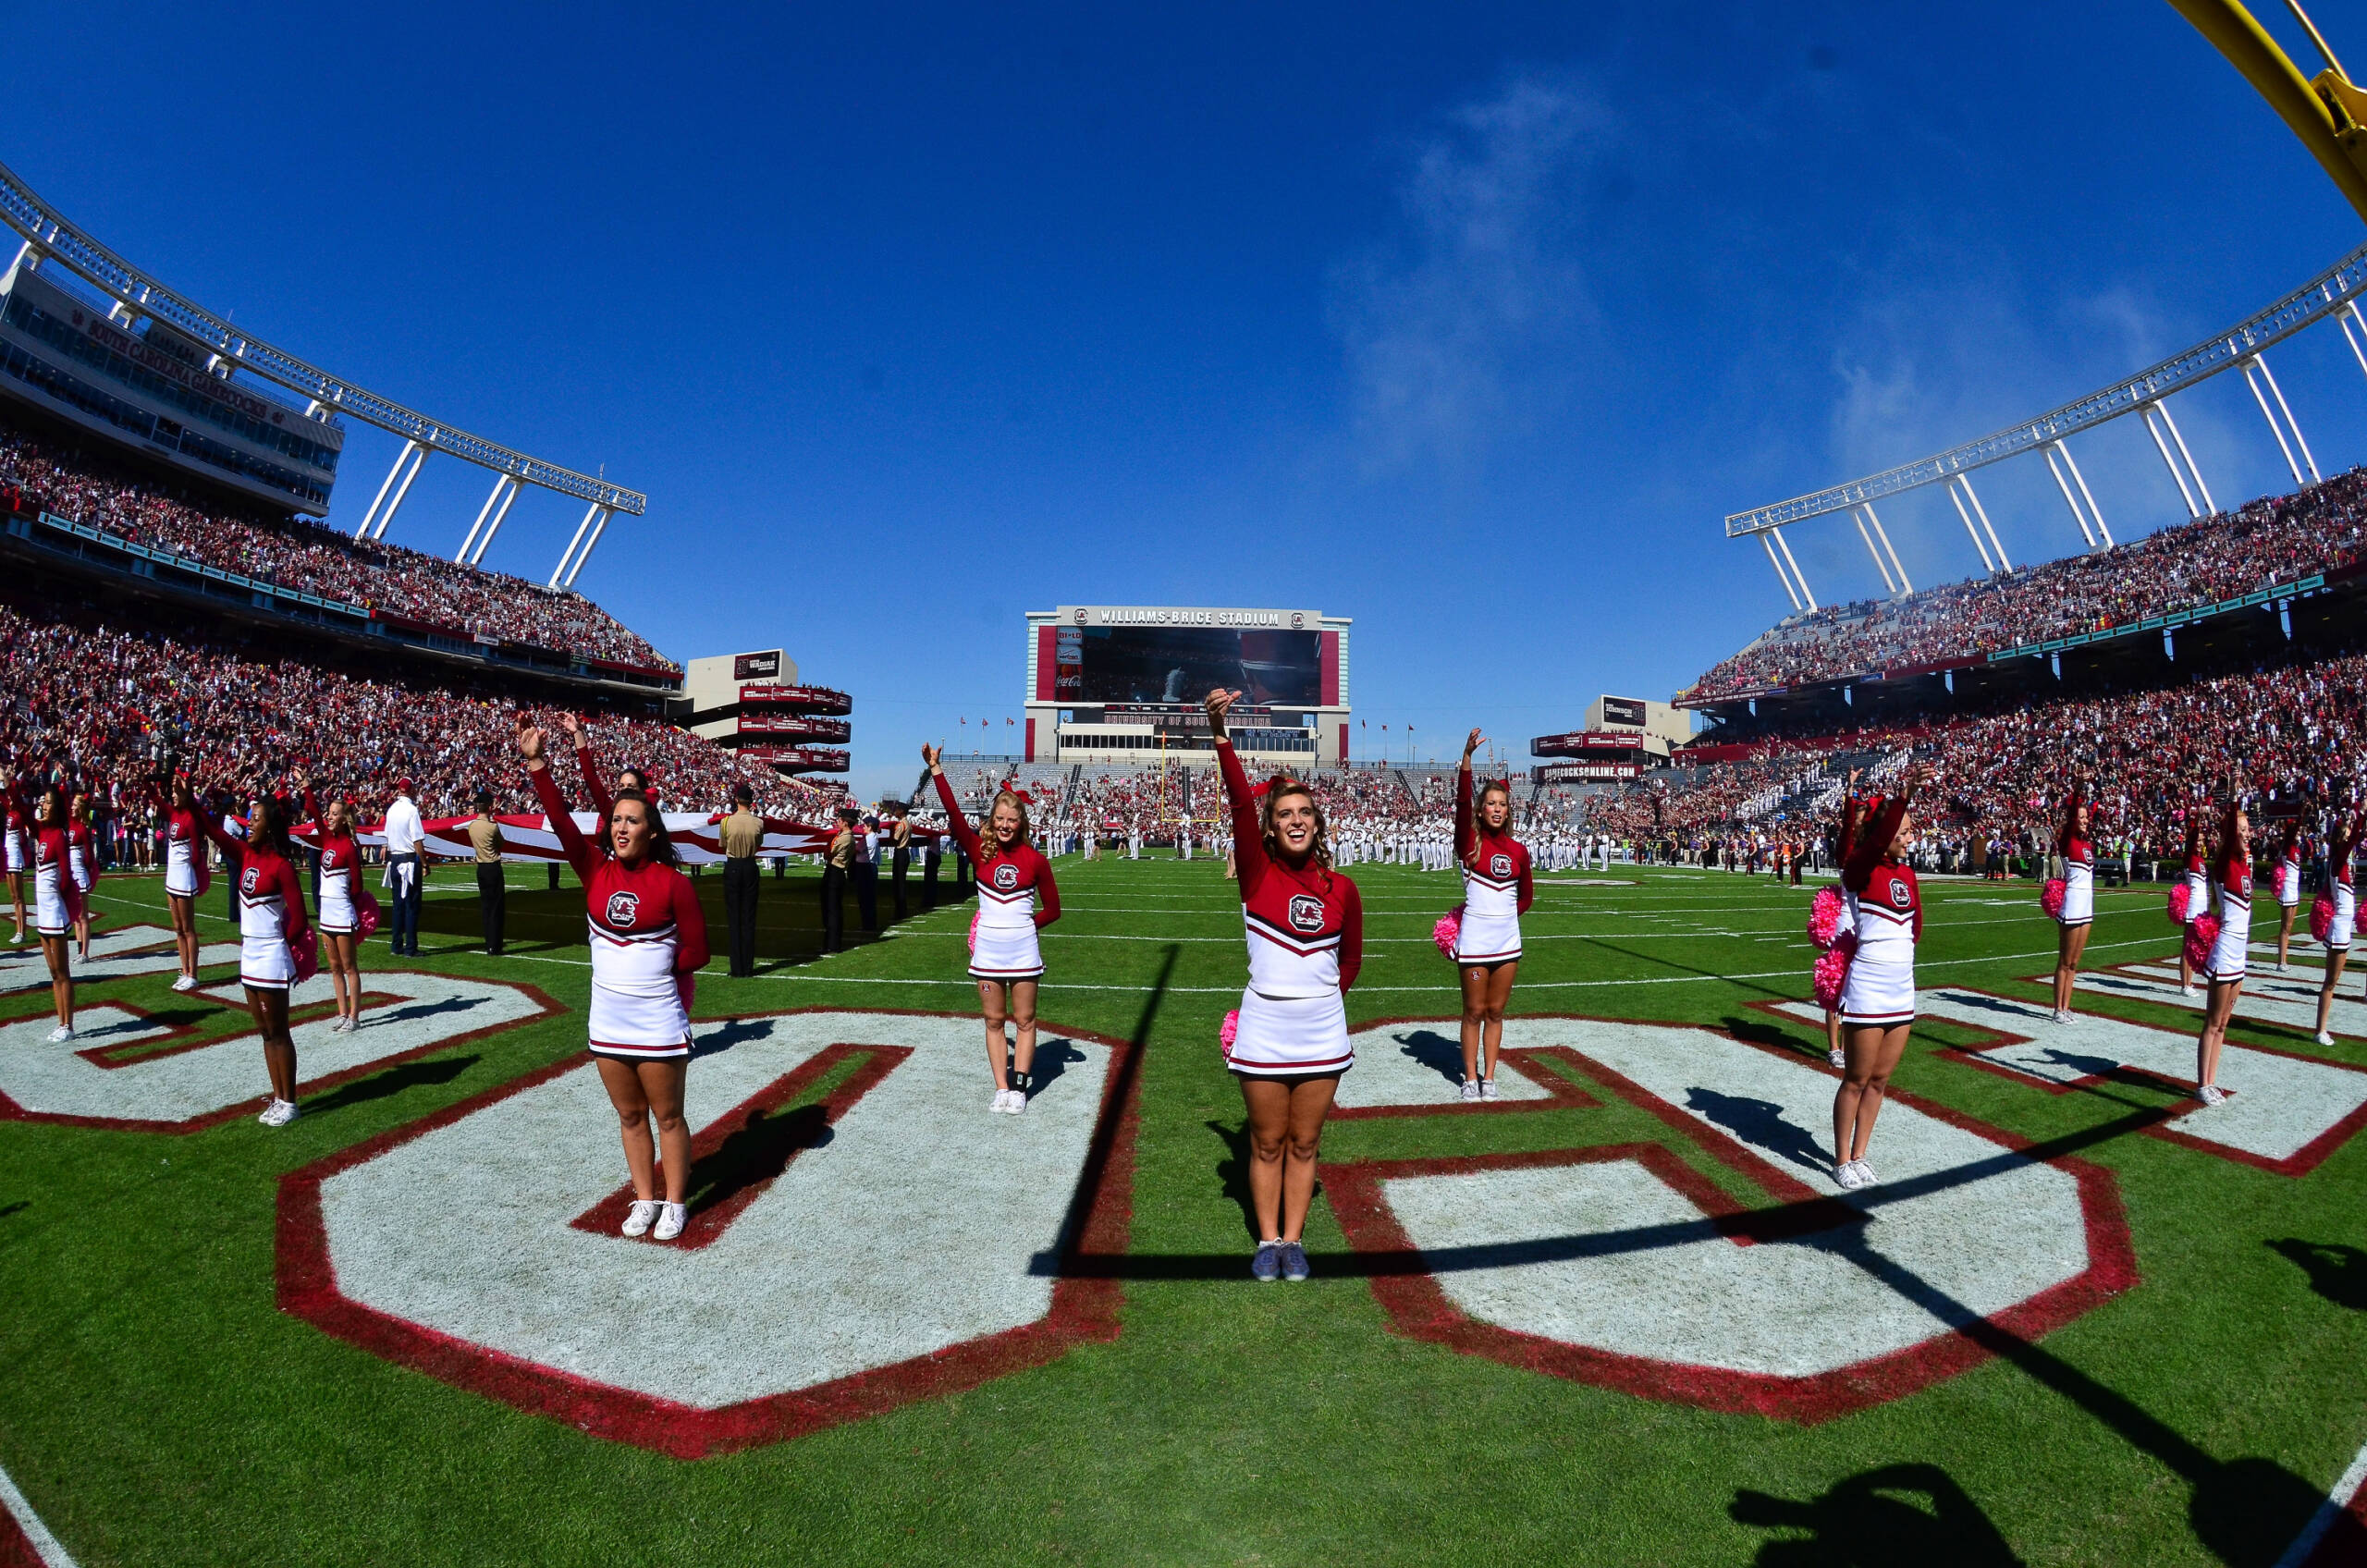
(2076, 842)
(2344, 923)
(272, 925)
(1878, 1001)
(1017, 897)
(2231, 953)
(1497, 890)
(1305, 930)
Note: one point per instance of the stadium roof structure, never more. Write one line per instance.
(50, 235)
(2333, 293)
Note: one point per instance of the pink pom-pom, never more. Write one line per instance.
(2050, 898)
(1831, 976)
(2181, 903)
(1448, 931)
(1231, 1027)
(2321, 918)
(2200, 938)
(973, 930)
(1824, 917)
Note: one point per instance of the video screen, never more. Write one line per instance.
(1143, 664)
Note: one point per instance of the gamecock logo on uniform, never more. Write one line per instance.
(1899, 897)
(1006, 877)
(622, 907)
(1307, 913)
(247, 882)
(1501, 865)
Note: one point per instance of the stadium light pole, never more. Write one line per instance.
(2257, 364)
(376, 501)
(589, 544)
(1789, 592)
(569, 554)
(401, 490)
(485, 543)
(1884, 537)
(1789, 559)
(1964, 483)
(493, 498)
(1858, 516)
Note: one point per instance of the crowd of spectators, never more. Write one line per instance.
(2216, 559)
(297, 553)
(103, 704)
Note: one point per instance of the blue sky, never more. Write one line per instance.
(1470, 322)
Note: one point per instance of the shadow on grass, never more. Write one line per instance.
(1898, 1513)
(756, 1152)
(394, 1080)
(2336, 1271)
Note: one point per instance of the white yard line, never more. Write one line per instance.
(2328, 1512)
(45, 1546)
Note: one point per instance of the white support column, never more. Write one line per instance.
(1789, 592)
(400, 491)
(597, 529)
(484, 543)
(2186, 492)
(2274, 429)
(569, 554)
(1986, 563)
(1798, 576)
(371, 515)
(2292, 423)
(500, 484)
(1858, 516)
(2063, 485)
(2080, 480)
(2210, 507)
(1964, 482)
(1887, 546)
(2354, 331)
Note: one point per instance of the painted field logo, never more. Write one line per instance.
(1307, 913)
(1006, 877)
(1499, 866)
(1624, 1266)
(622, 909)
(746, 1330)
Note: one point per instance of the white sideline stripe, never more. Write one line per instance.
(2328, 1512)
(45, 1546)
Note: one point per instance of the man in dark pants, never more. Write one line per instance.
(866, 872)
(899, 836)
(493, 891)
(932, 856)
(741, 835)
(835, 861)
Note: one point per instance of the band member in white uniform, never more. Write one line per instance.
(2339, 847)
(2285, 879)
(1017, 897)
(1306, 929)
(2231, 955)
(1497, 891)
(271, 916)
(1878, 1001)
(53, 904)
(2076, 844)
(341, 896)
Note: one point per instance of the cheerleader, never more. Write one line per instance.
(2198, 891)
(2286, 881)
(1497, 891)
(341, 897)
(271, 927)
(1017, 897)
(2231, 954)
(82, 869)
(648, 943)
(2075, 841)
(55, 904)
(186, 873)
(1305, 927)
(17, 845)
(1851, 809)
(1878, 1001)
(2346, 914)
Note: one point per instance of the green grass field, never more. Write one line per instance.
(162, 1408)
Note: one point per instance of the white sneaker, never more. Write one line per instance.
(1487, 1088)
(60, 1035)
(2186, 990)
(1471, 1088)
(2325, 1038)
(19, 936)
(1018, 1106)
(280, 1113)
(186, 982)
(1846, 1173)
(2211, 1093)
(1000, 1102)
(1866, 1177)
(1837, 1057)
(669, 1222)
(639, 1217)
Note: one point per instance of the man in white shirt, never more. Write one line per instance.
(406, 868)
